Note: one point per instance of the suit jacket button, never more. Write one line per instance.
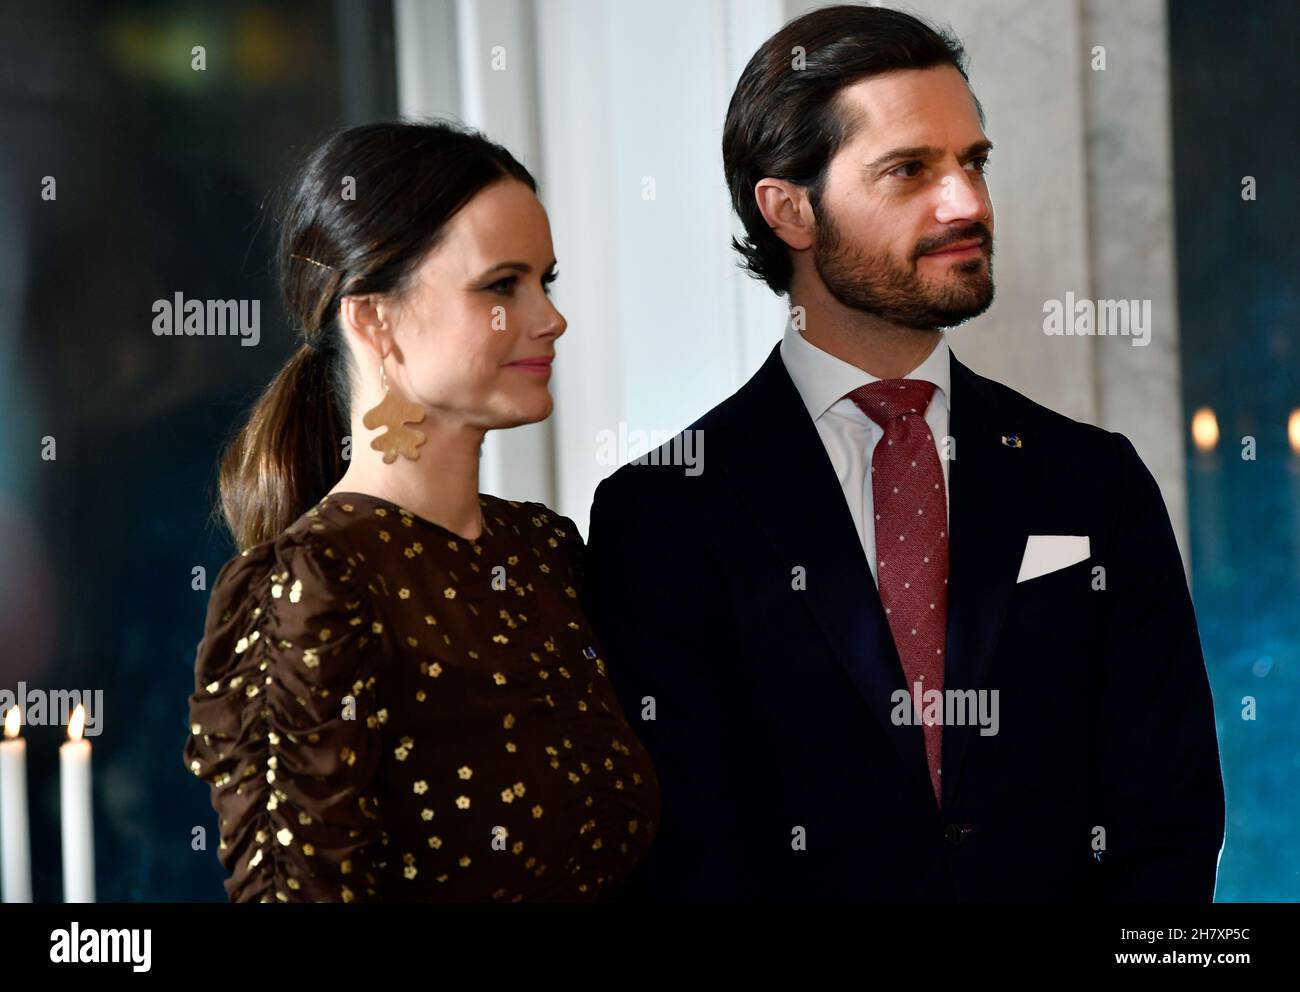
(954, 834)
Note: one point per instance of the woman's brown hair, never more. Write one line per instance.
(366, 206)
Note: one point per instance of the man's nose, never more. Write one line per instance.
(960, 199)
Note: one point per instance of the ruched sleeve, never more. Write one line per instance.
(570, 542)
(285, 724)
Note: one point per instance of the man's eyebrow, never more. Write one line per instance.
(926, 153)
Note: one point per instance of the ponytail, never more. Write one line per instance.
(288, 454)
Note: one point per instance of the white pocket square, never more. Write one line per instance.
(1048, 552)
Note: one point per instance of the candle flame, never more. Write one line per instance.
(13, 720)
(77, 723)
(1205, 429)
(1293, 430)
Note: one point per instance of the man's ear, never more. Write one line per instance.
(785, 207)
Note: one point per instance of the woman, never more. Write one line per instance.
(397, 696)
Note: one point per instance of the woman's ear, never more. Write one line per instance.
(785, 207)
(366, 318)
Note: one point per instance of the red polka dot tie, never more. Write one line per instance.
(911, 511)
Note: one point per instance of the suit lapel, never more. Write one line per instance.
(773, 454)
(781, 470)
(989, 484)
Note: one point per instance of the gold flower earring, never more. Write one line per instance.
(394, 413)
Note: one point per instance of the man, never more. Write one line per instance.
(909, 636)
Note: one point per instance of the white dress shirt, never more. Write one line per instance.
(849, 435)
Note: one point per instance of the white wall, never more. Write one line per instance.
(662, 324)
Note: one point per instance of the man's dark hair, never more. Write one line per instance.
(784, 121)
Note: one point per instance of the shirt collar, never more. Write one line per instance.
(823, 380)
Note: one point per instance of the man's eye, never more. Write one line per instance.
(983, 162)
(906, 165)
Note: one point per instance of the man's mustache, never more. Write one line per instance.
(975, 231)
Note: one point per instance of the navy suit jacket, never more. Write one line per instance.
(783, 776)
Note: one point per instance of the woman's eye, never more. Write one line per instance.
(506, 285)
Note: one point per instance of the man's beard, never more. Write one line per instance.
(878, 285)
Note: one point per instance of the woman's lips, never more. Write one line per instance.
(535, 366)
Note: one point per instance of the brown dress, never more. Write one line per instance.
(387, 711)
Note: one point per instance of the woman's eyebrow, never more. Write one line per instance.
(521, 267)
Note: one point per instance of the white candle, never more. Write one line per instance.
(75, 812)
(1207, 474)
(1293, 467)
(15, 861)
